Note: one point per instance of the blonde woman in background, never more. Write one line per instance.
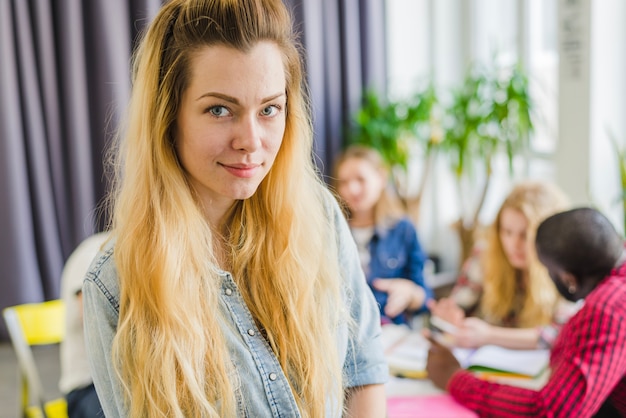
(232, 286)
(503, 288)
(390, 251)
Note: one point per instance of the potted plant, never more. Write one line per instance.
(489, 114)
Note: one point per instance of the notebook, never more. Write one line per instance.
(406, 352)
(492, 360)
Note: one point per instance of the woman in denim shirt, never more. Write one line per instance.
(389, 249)
(231, 286)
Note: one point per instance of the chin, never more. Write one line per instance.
(518, 264)
(244, 193)
(242, 196)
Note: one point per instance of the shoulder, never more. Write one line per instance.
(334, 214)
(609, 295)
(103, 278)
(331, 203)
(405, 224)
(79, 261)
(605, 305)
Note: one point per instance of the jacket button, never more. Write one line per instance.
(392, 263)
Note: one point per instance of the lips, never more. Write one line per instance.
(242, 170)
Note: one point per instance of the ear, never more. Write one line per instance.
(569, 280)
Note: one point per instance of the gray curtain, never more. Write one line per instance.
(345, 53)
(64, 82)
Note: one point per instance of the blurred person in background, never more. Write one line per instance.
(390, 251)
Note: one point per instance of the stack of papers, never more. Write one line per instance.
(406, 351)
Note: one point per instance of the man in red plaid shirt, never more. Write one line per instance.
(585, 258)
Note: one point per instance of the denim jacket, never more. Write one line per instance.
(395, 252)
(262, 389)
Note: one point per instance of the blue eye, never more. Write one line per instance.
(218, 111)
(270, 110)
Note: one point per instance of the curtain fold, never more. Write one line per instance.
(21, 276)
(65, 81)
(64, 85)
(344, 43)
(38, 146)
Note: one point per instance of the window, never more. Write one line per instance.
(436, 40)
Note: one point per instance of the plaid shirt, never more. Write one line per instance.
(588, 365)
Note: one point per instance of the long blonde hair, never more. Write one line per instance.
(388, 209)
(536, 201)
(170, 353)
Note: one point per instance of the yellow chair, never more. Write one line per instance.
(35, 324)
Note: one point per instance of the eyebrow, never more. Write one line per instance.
(233, 100)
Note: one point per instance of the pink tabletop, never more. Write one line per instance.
(432, 406)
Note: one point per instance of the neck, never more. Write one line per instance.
(621, 259)
(221, 249)
(522, 277)
(215, 216)
(362, 219)
(216, 210)
(219, 222)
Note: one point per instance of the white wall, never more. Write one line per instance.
(572, 156)
(592, 102)
(427, 40)
(608, 104)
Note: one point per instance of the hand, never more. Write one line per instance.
(473, 332)
(448, 310)
(402, 295)
(441, 363)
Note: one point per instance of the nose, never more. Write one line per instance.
(353, 188)
(247, 134)
(519, 243)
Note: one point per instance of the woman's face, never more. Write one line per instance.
(513, 228)
(359, 184)
(231, 121)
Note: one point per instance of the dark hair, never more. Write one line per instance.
(581, 241)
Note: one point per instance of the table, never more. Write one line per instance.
(407, 398)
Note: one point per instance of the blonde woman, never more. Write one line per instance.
(231, 286)
(503, 286)
(390, 251)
